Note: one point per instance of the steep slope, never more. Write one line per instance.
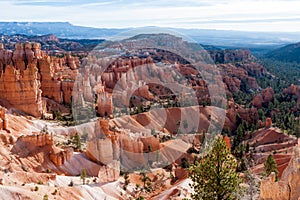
(289, 53)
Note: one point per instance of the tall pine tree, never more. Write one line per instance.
(215, 177)
(270, 166)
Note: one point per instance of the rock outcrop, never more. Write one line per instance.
(103, 146)
(266, 96)
(28, 145)
(293, 90)
(60, 157)
(28, 73)
(235, 77)
(248, 114)
(58, 76)
(230, 56)
(110, 172)
(37, 140)
(269, 189)
(19, 79)
(288, 186)
(3, 119)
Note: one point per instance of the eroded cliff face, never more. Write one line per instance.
(288, 186)
(27, 74)
(19, 79)
(58, 76)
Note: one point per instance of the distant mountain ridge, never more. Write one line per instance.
(204, 36)
(51, 43)
(60, 29)
(289, 53)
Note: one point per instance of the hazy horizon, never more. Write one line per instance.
(236, 15)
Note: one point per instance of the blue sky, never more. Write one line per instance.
(249, 15)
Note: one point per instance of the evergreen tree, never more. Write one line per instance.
(76, 141)
(83, 175)
(270, 166)
(215, 177)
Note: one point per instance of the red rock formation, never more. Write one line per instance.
(268, 94)
(227, 141)
(268, 123)
(100, 151)
(253, 69)
(29, 73)
(59, 157)
(257, 101)
(248, 114)
(233, 76)
(3, 119)
(5, 56)
(21, 88)
(181, 173)
(150, 144)
(58, 77)
(293, 90)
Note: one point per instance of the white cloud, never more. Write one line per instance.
(253, 15)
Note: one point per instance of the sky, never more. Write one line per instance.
(246, 15)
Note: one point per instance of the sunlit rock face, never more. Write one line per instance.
(20, 79)
(288, 186)
(27, 74)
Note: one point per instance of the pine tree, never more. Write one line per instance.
(83, 175)
(270, 166)
(215, 177)
(76, 141)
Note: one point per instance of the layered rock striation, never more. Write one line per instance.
(19, 79)
(27, 74)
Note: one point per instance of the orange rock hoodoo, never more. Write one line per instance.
(27, 74)
(19, 79)
(3, 120)
(60, 157)
(266, 96)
